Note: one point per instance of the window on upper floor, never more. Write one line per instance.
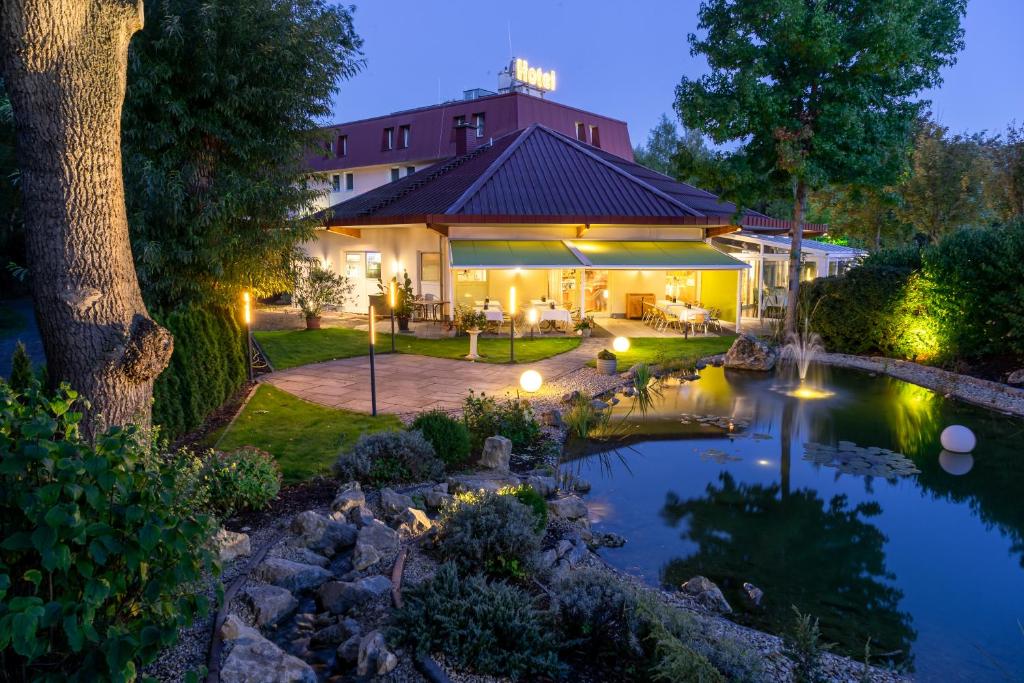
(341, 147)
(389, 138)
(403, 136)
(595, 136)
(336, 183)
(409, 170)
(394, 174)
(430, 266)
(460, 120)
(581, 132)
(350, 181)
(478, 120)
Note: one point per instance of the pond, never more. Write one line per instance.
(841, 506)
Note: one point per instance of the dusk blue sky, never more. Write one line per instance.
(623, 59)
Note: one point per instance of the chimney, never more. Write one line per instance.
(461, 139)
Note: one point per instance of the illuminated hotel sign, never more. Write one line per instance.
(533, 76)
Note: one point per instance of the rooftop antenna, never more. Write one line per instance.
(439, 90)
(511, 53)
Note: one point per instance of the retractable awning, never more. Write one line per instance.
(512, 254)
(664, 255)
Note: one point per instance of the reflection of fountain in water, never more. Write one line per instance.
(799, 352)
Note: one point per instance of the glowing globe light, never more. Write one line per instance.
(957, 464)
(958, 439)
(530, 381)
(807, 393)
(621, 344)
(531, 316)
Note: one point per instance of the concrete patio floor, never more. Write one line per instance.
(410, 384)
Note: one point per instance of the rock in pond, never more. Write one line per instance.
(230, 545)
(707, 594)
(374, 656)
(545, 486)
(750, 353)
(294, 576)
(254, 659)
(269, 603)
(496, 454)
(568, 507)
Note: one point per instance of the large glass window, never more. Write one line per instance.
(350, 181)
(430, 266)
(336, 183)
(595, 291)
(681, 285)
(403, 136)
(479, 118)
(373, 262)
(354, 264)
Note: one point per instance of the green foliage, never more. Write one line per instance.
(488, 628)
(404, 294)
(207, 367)
(389, 458)
(98, 554)
(670, 152)
(243, 479)
(512, 418)
(582, 417)
(673, 660)
(489, 532)
(605, 354)
(21, 369)
(448, 436)
(528, 496)
(224, 99)
(804, 648)
(318, 287)
(597, 617)
(468, 318)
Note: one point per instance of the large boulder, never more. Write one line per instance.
(322, 534)
(413, 521)
(393, 503)
(230, 545)
(545, 486)
(1016, 378)
(496, 454)
(483, 481)
(750, 353)
(269, 603)
(349, 496)
(294, 576)
(567, 507)
(376, 541)
(707, 594)
(337, 597)
(374, 657)
(254, 659)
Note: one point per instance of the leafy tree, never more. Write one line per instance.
(673, 153)
(223, 101)
(1006, 189)
(868, 216)
(815, 93)
(945, 188)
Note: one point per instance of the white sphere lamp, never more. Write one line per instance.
(530, 381)
(958, 439)
(620, 345)
(956, 464)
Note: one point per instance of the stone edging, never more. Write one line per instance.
(979, 392)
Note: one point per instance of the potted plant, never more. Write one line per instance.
(585, 326)
(318, 287)
(404, 296)
(469, 319)
(606, 362)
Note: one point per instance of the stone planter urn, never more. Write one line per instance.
(585, 332)
(403, 323)
(473, 334)
(607, 366)
(313, 322)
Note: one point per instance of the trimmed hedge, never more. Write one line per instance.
(207, 367)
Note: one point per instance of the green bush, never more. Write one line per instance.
(243, 479)
(21, 369)
(488, 628)
(512, 418)
(489, 532)
(448, 436)
(207, 367)
(528, 496)
(605, 354)
(98, 556)
(597, 617)
(804, 648)
(389, 458)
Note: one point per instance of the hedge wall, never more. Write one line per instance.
(207, 367)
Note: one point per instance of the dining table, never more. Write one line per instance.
(554, 316)
(492, 312)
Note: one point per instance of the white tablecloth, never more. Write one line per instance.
(558, 315)
(682, 312)
(493, 315)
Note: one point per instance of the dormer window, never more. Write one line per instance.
(341, 146)
(403, 137)
(581, 131)
(389, 138)
(595, 136)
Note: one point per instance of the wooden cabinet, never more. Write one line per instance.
(635, 304)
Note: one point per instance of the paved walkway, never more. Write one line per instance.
(408, 383)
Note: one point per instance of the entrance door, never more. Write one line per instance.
(355, 271)
(595, 291)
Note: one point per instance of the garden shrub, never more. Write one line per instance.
(243, 479)
(488, 628)
(98, 558)
(21, 369)
(207, 367)
(489, 532)
(448, 436)
(596, 615)
(804, 648)
(512, 418)
(528, 496)
(392, 457)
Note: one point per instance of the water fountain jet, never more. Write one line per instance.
(799, 351)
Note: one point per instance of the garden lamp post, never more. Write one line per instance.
(373, 370)
(393, 301)
(248, 333)
(531, 318)
(512, 325)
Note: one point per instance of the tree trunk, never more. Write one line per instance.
(64, 64)
(797, 238)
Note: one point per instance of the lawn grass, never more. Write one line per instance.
(652, 350)
(291, 348)
(303, 437)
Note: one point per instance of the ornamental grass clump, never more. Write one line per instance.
(492, 533)
(100, 557)
(448, 436)
(512, 418)
(394, 457)
(489, 628)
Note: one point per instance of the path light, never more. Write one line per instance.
(373, 369)
(512, 325)
(394, 302)
(958, 439)
(620, 345)
(247, 314)
(530, 381)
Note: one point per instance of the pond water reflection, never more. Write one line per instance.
(814, 502)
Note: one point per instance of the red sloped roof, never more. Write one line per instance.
(538, 175)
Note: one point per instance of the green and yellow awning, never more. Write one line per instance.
(603, 254)
(512, 254)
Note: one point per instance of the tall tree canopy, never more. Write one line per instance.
(224, 98)
(672, 152)
(815, 92)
